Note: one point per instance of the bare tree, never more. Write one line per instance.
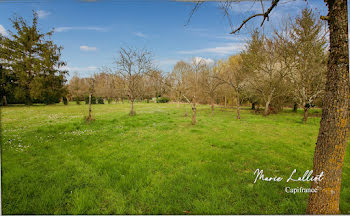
(177, 80)
(266, 70)
(78, 87)
(91, 90)
(193, 85)
(232, 74)
(132, 65)
(156, 82)
(210, 83)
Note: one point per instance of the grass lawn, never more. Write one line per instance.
(155, 162)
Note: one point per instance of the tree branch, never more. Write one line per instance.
(198, 4)
(264, 14)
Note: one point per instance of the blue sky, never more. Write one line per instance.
(92, 32)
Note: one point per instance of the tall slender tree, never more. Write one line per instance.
(309, 48)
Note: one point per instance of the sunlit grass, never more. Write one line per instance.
(155, 162)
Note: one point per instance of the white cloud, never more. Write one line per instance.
(80, 69)
(3, 30)
(207, 61)
(140, 34)
(90, 28)
(234, 37)
(87, 48)
(42, 13)
(229, 48)
(165, 62)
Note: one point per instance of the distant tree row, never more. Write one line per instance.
(30, 65)
(285, 69)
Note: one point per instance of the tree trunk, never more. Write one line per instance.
(212, 106)
(4, 100)
(90, 116)
(267, 105)
(295, 107)
(194, 111)
(306, 114)
(28, 100)
(253, 106)
(225, 101)
(238, 108)
(333, 132)
(132, 112)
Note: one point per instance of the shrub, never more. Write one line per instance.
(109, 100)
(163, 100)
(93, 100)
(100, 100)
(65, 101)
(77, 100)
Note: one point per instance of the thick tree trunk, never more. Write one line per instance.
(295, 107)
(4, 100)
(306, 114)
(238, 108)
(333, 132)
(267, 105)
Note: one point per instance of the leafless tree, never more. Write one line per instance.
(177, 79)
(132, 65)
(193, 85)
(232, 74)
(210, 84)
(91, 91)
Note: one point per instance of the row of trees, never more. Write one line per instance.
(285, 69)
(30, 65)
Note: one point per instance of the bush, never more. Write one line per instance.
(93, 100)
(109, 100)
(77, 100)
(100, 100)
(65, 101)
(163, 100)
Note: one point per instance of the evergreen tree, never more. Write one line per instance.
(309, 48)
(35, 63)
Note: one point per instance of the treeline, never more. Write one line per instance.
(30, 65)
(287, 68)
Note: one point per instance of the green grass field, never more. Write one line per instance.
(155, 162)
